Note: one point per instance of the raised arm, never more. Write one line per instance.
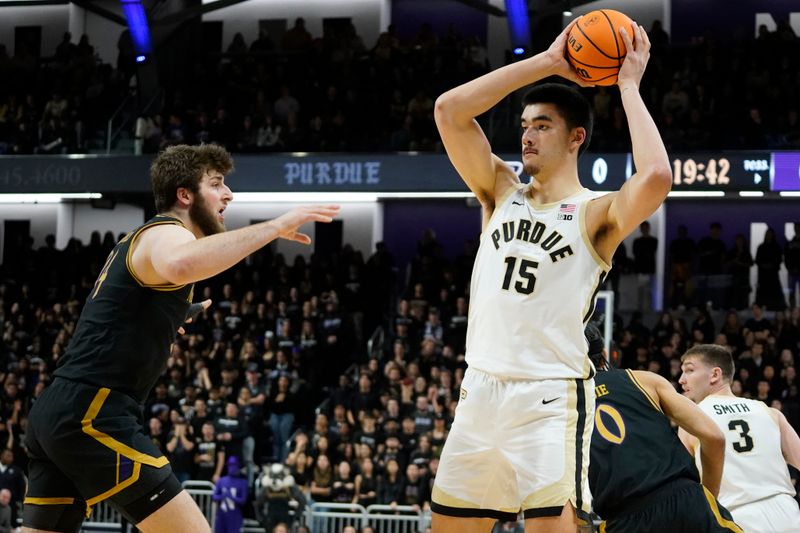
(469, 151)
(790, 442)
(171, 253)
(691, 418)
(614, 216)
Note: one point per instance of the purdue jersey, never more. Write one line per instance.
(634, 450)
(122, 340)
(533, 287)
(754, 465)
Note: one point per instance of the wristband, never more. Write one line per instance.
(194, 310)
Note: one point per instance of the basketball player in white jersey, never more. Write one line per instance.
(520, 439)
(756, 487)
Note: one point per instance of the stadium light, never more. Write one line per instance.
(695, 194)
(341, 197)
(519, 26)
(47, 198)
(137, 24)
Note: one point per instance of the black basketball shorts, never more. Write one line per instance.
(87, 445)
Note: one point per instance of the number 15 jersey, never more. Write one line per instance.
(534, 284)
(754, 465)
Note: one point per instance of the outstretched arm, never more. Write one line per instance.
(691, 418)
(469, 151)
(618, 214)
(171, 254)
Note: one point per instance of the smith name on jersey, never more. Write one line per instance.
(534, 285)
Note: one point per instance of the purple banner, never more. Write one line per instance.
(786, 171)
(721, 18)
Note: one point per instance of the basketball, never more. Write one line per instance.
(595, 48)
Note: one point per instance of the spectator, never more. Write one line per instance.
(65, 50)
(231, 430)
(769, 256)
(285, 105)
(263, 43)
(423, 415)
(268, 136)
(5, 511)
(390, 485)
(247, 137)
(366, 483)
(711, 259)
(644, 264)
(55, 108)
(209, 454)
(297, 39)
(180, 448)
(13, 480)
(282, 405)
(738, 266)
(343, 489)
(322, 480)
(237, 46)
(415, 492)
(792, 260)
(299, 464)
(676, 101)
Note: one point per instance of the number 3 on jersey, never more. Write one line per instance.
(745, 443)
(526, 273)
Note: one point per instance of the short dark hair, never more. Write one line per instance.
(713, 355)
(573, 106)
(183, 166)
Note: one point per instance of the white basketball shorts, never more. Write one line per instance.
(517, 446)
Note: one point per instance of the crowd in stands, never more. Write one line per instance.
(53, 104)
(712, 272)
(334, 92)
(277, 369)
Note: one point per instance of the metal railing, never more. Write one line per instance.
(110, 133)
(397, 519)
(202, 492)
(375, 343)
(333, 517)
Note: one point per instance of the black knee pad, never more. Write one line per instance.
(62, 518)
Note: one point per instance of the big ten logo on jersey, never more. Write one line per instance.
(566, 211)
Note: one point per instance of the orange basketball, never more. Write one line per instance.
(595, 48)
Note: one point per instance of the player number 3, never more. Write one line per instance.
(745, 443)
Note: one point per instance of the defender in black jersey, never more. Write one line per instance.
(85, 438)
(641, 476)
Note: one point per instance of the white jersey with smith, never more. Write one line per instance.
(755, 468)
(534, 285)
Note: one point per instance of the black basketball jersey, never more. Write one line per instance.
(634, 449)
(123, 337)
